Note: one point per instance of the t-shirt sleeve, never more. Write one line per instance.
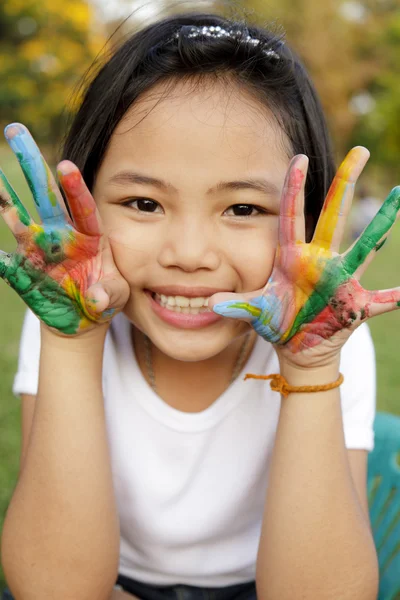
(358, 391)
(27, 376)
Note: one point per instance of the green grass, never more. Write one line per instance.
(383, 273)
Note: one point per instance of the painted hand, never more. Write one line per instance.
(63, 267)
(313, 299)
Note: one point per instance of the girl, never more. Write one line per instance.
(191, 256)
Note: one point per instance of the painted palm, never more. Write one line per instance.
(313, 292)
(58, 260)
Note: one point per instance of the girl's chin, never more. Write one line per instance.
(187, 348)
(186, 345)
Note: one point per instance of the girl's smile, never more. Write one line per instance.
(185, 320)
(188, 312)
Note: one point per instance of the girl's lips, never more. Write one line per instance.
(180, 319)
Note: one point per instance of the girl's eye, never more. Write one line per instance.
(246, 210)
(143, 205)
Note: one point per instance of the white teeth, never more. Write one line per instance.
(171, 301)
(181, 304)
(197, 302)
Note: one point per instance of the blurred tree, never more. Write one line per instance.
(351, 48)
(326, 35)
(130, 15)
(379, 127)
(45, 46)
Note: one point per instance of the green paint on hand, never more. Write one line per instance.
(375, 231)
(43, 295)
(379, 246)
(51, 243)
(254, 311)
(3, 264)
(333, 276)
(26, 170)
(52, 198)
(21, 210)
(352, 315)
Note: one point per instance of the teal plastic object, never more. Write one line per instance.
(384, 502)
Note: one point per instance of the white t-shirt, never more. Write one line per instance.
(190, 487)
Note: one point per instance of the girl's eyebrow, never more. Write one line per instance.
(124, 177)
(259, 184)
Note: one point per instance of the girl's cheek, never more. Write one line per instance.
(256, 259)
(132, 253)
(256, 272)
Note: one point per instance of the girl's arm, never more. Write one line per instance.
(316, 541)
(61, 531)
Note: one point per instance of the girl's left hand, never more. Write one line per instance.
(313, 299)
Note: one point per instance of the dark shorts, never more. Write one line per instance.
(145, 591)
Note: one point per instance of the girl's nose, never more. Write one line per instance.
(190, 246)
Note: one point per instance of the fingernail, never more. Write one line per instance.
(65, 167)
(14, 129)
(297, 159)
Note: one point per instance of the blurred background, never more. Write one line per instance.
(351, 48)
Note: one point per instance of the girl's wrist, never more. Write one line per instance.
(297, 375)
(88, 341)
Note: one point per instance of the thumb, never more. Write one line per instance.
(247, 306)
(109, 295)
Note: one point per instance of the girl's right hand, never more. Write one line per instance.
(63, 268)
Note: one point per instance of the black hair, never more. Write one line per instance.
(158, 54)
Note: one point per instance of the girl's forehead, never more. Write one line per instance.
(197, 136)
(216, 108)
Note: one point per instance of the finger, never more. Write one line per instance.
(359, 272)
(82, 205)
(12, 210)
(106, 296)
(235, 306)
(47, 196)
(383, 301)
(5, 260)
(330, 227)
(291, 218)
(264, 313)
(374, 235)
(97, 299)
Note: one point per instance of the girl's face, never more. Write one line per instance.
(189, 193)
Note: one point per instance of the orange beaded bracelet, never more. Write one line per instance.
(279, 384)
